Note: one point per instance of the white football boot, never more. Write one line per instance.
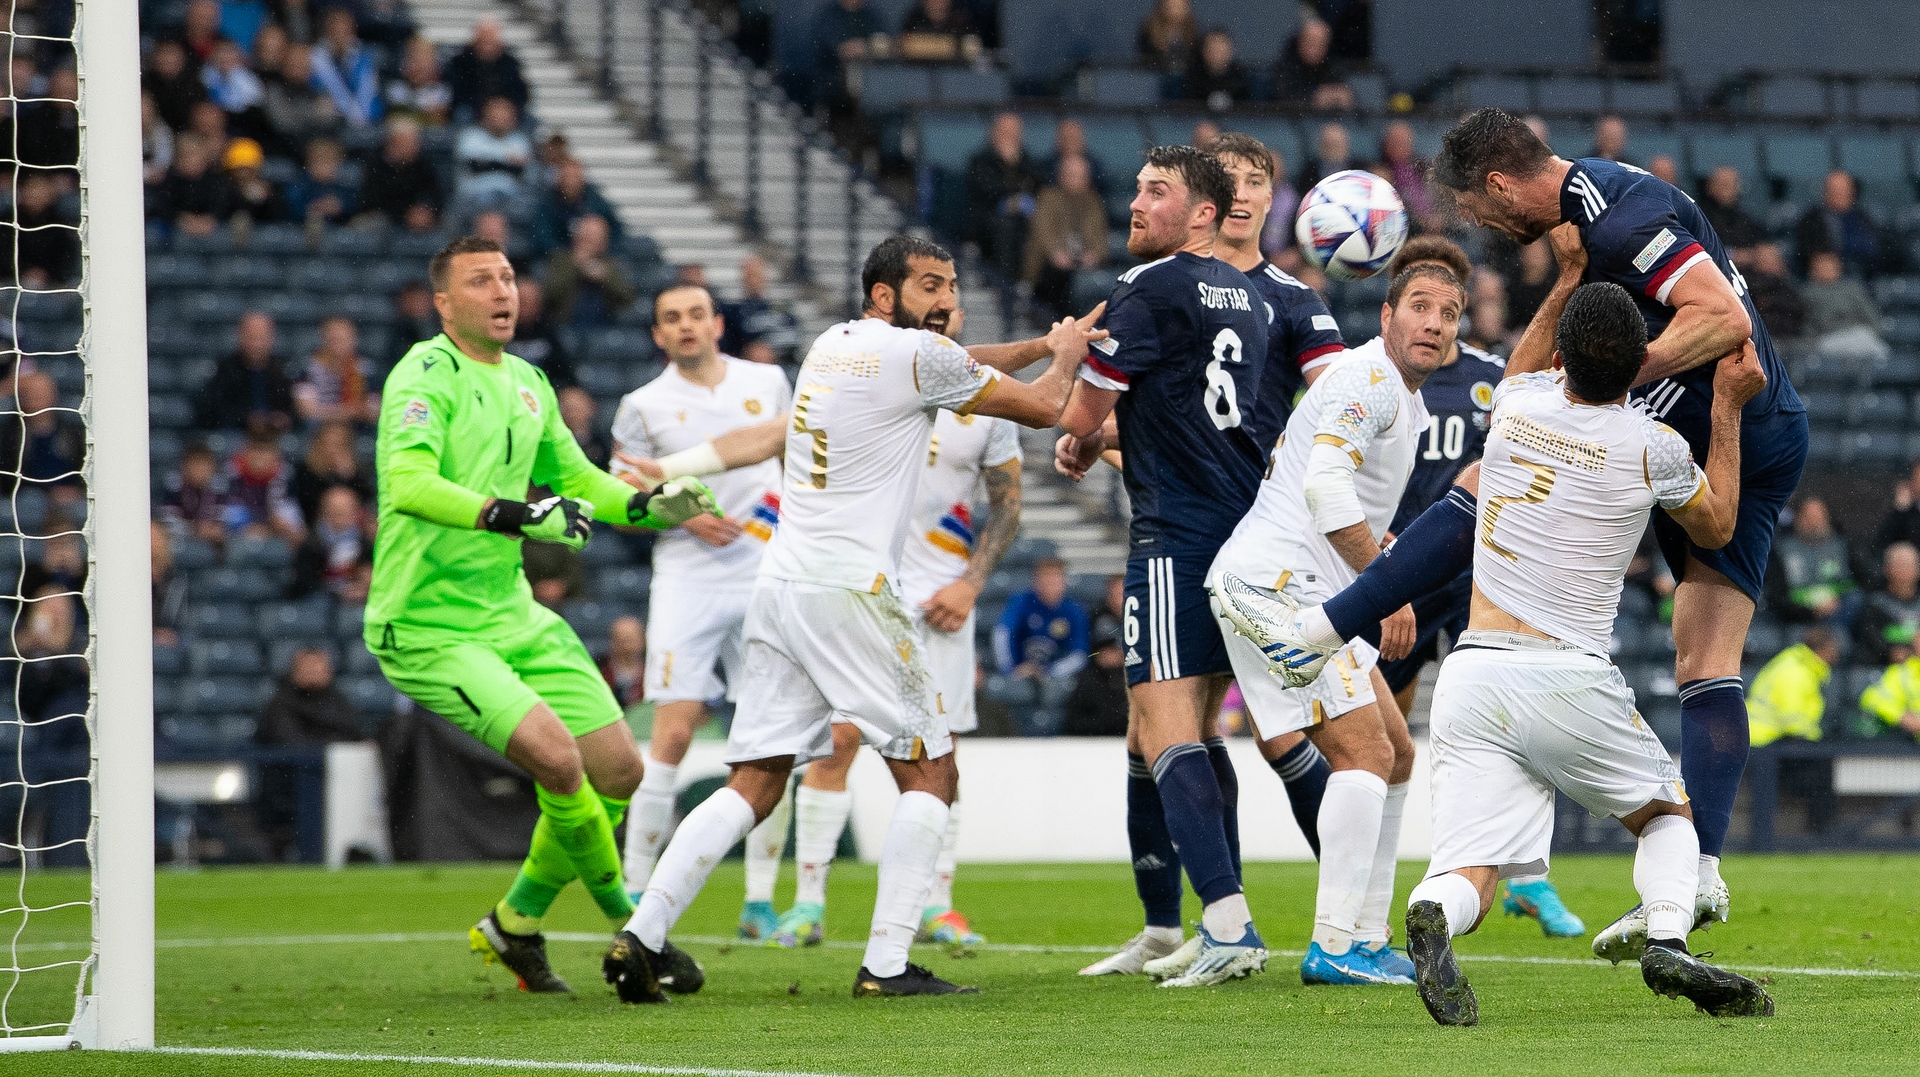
(1133, 957)
(1626, 938)
(1271, 620)
(1175, 963)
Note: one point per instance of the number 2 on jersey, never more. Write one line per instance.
(1536, 492)
(817, 473)
(1222, 398)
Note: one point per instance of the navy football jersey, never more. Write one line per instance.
(1188, 343)
(1643, 234)
(1301, 335)
(1459, 400)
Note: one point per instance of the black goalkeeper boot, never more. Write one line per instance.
(523, 955)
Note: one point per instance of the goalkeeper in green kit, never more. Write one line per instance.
(465, 429)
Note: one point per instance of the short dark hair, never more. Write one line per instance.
(714, 308)
(1488, 140)
(1245, 147)
(1424, 270)
(1602, 340)
(888, 263)
(442, 262)
(1201, 171)
(1438, 250)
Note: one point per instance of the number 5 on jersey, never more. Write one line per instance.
(817, 472)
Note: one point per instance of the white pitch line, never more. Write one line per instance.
(474, 1063)
(241, 941)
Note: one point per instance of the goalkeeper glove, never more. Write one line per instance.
(557, 519)
(672, 503)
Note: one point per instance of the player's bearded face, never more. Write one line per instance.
(1160, 212)
(1500, 211)
(1420, 331)
(927, 297)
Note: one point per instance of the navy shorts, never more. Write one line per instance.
(1434, 612)
(1170, 631)
(1773, 452)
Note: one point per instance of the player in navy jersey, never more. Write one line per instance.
(1181, 370)
(1613, 222)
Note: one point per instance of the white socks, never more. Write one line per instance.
(1350, 813)
(1709, 870)
(1455, 896)
(906, 870)
(1372, 926)
(1666, 871)
(819, 817)
(1228, 919)
(764, 846)
(705, 837)
(649, 818)
(1313, 624)
(940, 898)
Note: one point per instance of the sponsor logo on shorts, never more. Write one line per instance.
(1133, 657)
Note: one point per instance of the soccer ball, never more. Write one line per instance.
(1351, 224)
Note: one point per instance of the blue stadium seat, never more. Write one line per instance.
(1879, 162)
(356, 660)
(349, 622)
(225, 695)
(1504, 91)
(216, 309)
(279, 241)
(968, 85)
(1370, 90)
(1887, 99)
(1830, 371)
(1823, 448)
(169, 411)
(167, 271)
(1874, 450)
(190, 554)
(1897, 293)
(224, 657)
(280, 652)
(1793, 97)
(605, 379)
(169, 659)
(624, 582)
(1645, 97)
(1571, 93)
(210, 618)
(240, 272)
(1645, 143)
(418, 246)
(1636, 603)
(1663, 717)
(310, 619)
(1799, 162)
(371, 696)
(166, 694)
(616, 345)
(1878, 409)
(1827, 407)
(1764, 639)
(889, 87)
(1117, 142)
(948, 139)
(354, 243)
(1711, 149)
(259, 553)
(218, 241)
(1899, 371)
(187, 734)
(232, 584)
(1112, 86)
(289, 308)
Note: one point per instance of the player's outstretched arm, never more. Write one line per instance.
(1708, 322)
(559, 463)
(1039, 403)
(1021, 354)
(740, 447)
(1534, 351)
(1710, 513)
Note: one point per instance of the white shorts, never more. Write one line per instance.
(951, 663)
(1346, 685)
(816, 655)
(692, 636)
(1515, 718)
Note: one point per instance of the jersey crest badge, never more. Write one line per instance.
(954, 533)
(416, 414)
(753, 407)
(1651, 253)
(1483, 395)
(531, 401)
(764, 517)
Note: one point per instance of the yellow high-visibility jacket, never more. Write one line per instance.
(1785, 700)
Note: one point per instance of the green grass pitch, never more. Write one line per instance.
(235, 972)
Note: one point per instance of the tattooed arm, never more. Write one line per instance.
(947, 610)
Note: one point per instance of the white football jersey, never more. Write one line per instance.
(941, 538)
(669, 414)
(1565, 490)
(1362, 405)
(863, 414)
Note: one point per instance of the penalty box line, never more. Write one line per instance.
(241, 941)
(467, 1062)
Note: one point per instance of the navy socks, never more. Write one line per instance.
(1435, 548)
(1191, 798)
(1229, 797)
(1156, 867)
(1713, 753)
(1304, 771)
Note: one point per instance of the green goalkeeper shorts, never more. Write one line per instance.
(485, 682)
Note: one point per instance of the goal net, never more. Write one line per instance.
(76, 771)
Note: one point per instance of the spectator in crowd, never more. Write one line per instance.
(45, 241)
(1219, 81)
(196, 499)
(756, 318)
(577, 412)
(1531, 279)
(1841, 317)
(63, 560)
(1041, 642)
(259, 500)
(337, 554)
(1168, 39)
(1895, 697)
(1787, 697)
(255, 197)
(492, 224)
(156, 141)
(1097, 706)
(1408, 174)
(329, 462)
(1610, 140)
(1773, 292)
(937, 30)
(297, 111)
(1838, 224)
(199, 31)
(759, 351)
(414, 318)
(401, 183)
(50, 692)
(419, 93)
(1720, 202)
(1811, 577)
(195, 196)
(46, 443)
(1069, 234)
(1001, 184)
(1070, 140)
(209, 123)
(269, 49)
(586, 287)
(1902, 522)
(1664, 167)
(625, 663)
(1205, 133)
(334, 386)
(571, 196)
(249, 386)
(1890, 615)
(307, 708)
(1306, 75)
(347, 71)
(485, 69)
(233, 86)
(536, 340)
(169, 603)
(1332, 152)
(174, 84)
(492, 159)
(319, 195)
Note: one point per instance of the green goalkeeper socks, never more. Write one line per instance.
(580, 827)
(547, 870)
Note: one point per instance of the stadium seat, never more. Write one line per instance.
(214, 619)
(1370, 89)
(1711, 149)
(1793, 97)
(259, 553)
(225, 695)
(1116, 142)
(417, 247)
(190, 554)
(887, 88)
(1887, 99)
(1799, 164)
(1631, 96)
(968, 85)
(244, 272)
(1626, 640)
(184, 733)
(169, 659)
(305, 620)
(1830, 371)
(224, 656)
(1504, 91)
(166, 694)
(1902, 330)
(1111, 86)
(170, 271)
(218, 241)
(1874, 450)
(1571, 93)
(218, 310)
(1646, 143)
(947, 139)
(279, 241)
(616, 345)
(355, 660)
(625, 582)
(1823, 448)
(1663, 717)
(280, 653)
(371, 696)
(1899, 371)
(1764, 639)
(1879, 162)
(349, 622)
(233, 584)
(354, 243)
(1636, 603)
(589, 617)
(1878, 409)
(169, 411)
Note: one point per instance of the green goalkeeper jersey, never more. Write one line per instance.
(453, 433)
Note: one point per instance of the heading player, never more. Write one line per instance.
(827, 636)
(465, 429)
(1529, 702)
(1636, 230)
(1181, 371)
(702, 570)
(1337, 477)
